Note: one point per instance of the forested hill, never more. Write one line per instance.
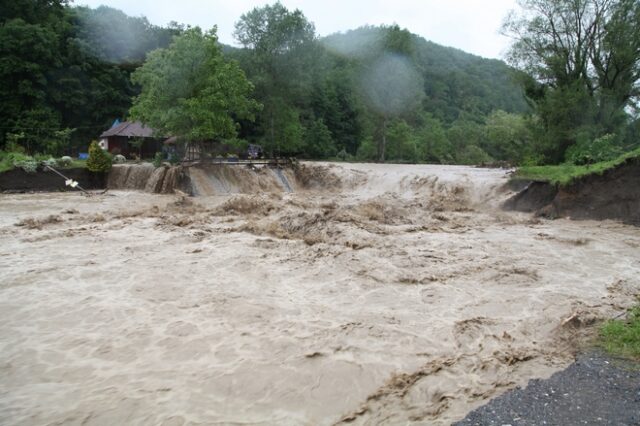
(455, 82)
(65, 72)
(374, 93)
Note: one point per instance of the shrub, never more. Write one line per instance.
(119, 159)
(157, 159)
(174, 158)
(51, 162)
(472, 154)
(589, 151)
(64, 161)
(29, 166)
(99, 161)
(19, 160)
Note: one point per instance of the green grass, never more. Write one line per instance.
(5, 166)
(622, 337)
(564, 174)
(76, 164)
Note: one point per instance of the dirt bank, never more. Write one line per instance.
(613, 195)
(372, 294)
(17, 180)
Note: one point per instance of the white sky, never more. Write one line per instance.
(470, 25)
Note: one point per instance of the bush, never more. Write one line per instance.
(367, 151)
(472, 155)
(13, 146)
(29, 166)
(99, 161)
(174, 158)
(64, 161)
(51, 162)
(10, 160)
(589, 151)
(119, 159)
(20, 160)
(157, 159)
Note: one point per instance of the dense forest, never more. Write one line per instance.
(370, 94)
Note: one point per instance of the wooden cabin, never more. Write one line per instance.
(123, 138)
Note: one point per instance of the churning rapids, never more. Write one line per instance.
(369, 294)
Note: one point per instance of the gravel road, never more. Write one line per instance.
(595, 390)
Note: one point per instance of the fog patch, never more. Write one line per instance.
(392, 85)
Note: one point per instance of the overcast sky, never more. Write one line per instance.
(470, 25)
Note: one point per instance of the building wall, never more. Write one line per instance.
(121, 145)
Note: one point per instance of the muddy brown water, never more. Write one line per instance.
(371, 294)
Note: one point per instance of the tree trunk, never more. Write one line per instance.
(273, 137)
(383, 147)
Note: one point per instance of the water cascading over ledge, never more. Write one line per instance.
(201, 180)
(146, 177)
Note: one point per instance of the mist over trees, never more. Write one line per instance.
(374, 93)
(370, 94)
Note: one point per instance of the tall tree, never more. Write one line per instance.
(584, 60)
(282, 43)
(190, 91)
(30, 52)
(392, 84)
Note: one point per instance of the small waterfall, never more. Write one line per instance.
(200, 180)
(144, 177)
(139, 176)
(171, 180)
(202, 184)
(209, 180)
(154, 184)
(118, 176)
(283, 180)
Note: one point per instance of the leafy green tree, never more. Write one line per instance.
(368, 150)
(335, 100)
(472, 155)
(588, 151)
(190, 91)
(507, 137)
(282, 47)
(467, 138)
(50, 80)
(28, 52)
(319, 143)
(392, 85)
(111, 36)
(401, 142)
(392, 88)
(583, 57)
(432, 142)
